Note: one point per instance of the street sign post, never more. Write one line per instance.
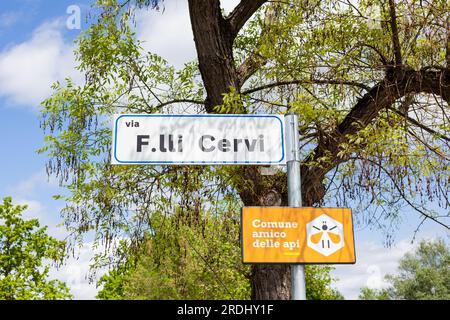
(298, 281)
(198, 139)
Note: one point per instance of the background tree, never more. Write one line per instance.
(373, 294)
(24, 253)
(372, 92)
(422, 275)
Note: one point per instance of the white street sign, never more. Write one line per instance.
(198, 139)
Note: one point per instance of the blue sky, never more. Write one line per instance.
(21, 133)
(36, 49)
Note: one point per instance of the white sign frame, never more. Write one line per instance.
(117, 161)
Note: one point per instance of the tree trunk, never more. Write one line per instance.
(271, 282)
(214, 44)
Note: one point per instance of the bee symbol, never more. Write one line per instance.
(317, 237)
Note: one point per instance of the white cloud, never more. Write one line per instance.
(35, 192)
(28, 69)
(229, 5)
(168, 33)
(75, 273)
(49, 217)
(32, 185)
(35, 209)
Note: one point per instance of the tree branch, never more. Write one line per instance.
(380, 54)
(255, 61)
(179, 101)
(385, 93)
(447, 49)
(395, 37)
(241, 13)
(418, 124)
(382, 95)
(248, 68)
(431, 148)
(401, 192)
(304, 81)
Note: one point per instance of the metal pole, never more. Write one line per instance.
(298, 288)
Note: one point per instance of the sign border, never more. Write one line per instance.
(295, 263)
(280, 162)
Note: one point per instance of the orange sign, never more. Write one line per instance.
(297, 235)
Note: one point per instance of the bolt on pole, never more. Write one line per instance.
(298, 287)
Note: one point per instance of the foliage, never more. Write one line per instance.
(318, 283)
(422, 275)
(24, 248)
(373, 294)
(197, 258)
(112, 285)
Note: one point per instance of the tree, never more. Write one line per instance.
(112, 285)
(319, 283)
(373, 294)
(23, 247)
(372, 92)
(422, 275)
